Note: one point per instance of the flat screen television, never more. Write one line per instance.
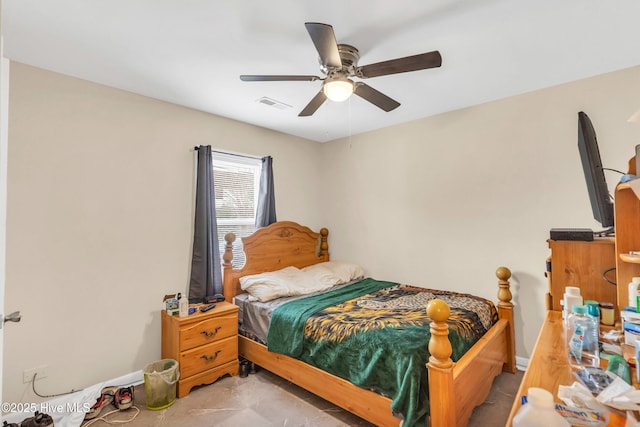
(601, 203)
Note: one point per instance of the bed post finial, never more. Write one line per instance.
(324, 246)
(505, 311)
(228, 284)
(227, 257)
(440, 367)
(504, 292)
(439, 344)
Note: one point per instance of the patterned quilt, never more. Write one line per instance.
(375, 334)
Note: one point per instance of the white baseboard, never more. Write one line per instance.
(68, 410)
(522, 363)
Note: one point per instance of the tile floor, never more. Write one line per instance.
(263, 399)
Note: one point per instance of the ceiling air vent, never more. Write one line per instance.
(273, 103)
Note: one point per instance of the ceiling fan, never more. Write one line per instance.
(339, 63)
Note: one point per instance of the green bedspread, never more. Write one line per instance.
(375, 334)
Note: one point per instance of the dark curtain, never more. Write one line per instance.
(206, 273)
(266, 210)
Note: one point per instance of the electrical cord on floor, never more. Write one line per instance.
(103, 417)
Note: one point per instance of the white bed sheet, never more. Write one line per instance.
(254, 316)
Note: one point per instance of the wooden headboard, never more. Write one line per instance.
(276, 246)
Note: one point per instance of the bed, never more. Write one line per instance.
(454, 388)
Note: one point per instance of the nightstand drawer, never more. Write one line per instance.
(208, 356)
(208, 331)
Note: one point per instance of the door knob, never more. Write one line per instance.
(13, 317)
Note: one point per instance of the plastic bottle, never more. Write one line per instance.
(593, 310)
(539, 411)
(183, 305)
(582, 336)
(633, 292)
(571, 297)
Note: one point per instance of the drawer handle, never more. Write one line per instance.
(210, 358)
(211, 334)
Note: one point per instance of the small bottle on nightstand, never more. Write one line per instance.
(183, 306)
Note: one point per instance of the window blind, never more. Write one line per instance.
(236, 183)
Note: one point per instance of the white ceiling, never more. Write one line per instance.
(191, 52)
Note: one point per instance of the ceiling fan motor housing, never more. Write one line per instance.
(349, 56)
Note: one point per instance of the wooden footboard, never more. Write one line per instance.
(371, 406)
(456, 388)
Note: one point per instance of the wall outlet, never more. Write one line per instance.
(40, 372)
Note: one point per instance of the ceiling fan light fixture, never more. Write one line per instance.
(338, 90)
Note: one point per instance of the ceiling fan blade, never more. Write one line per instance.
(375, 97)
(324, 40)
(315, 103)
(401, 65)
(276, 78)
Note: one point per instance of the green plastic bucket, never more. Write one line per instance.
(160, 381)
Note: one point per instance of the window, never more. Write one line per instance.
(236, 181)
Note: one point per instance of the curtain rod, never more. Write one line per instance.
(231, 154)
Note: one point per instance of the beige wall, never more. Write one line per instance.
(100, 216)
(101, 187)
(441, 202)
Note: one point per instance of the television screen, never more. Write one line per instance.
(601, 202)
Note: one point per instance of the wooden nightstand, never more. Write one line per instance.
(204, 344)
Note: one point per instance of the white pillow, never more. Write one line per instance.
(289, 281)
(335, 272)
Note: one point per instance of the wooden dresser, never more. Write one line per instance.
(204, 344)
(581, 264)
(549, 364)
